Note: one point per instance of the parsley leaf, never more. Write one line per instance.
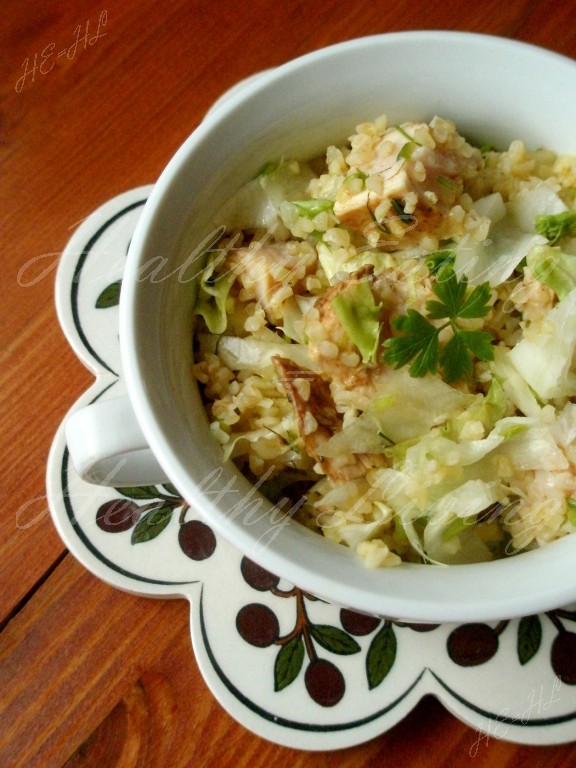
(556, 225)
(418, 341)
(477, 304)
(454, 359)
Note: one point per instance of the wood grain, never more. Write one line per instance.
(90, 676)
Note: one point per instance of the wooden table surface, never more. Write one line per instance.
(89, 675)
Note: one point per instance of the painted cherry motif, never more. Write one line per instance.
(324, 682)
(196, 539)
(563, 650)
(258, 625)
(471, 644)
(117, 515)
(148, 520)
(358, 624)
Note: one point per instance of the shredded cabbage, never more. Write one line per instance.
(247, 354)
(543, 358)
(360, 318)
(212, 296)
(554, 268)
(257, 204)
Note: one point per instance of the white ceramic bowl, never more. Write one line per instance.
(495, 90)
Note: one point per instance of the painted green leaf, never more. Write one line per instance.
(140, 493)
(172, 490)
(334, 639)
(288, 663)
(529, 638)
(152, 523)
(110, 296)
(381, 655)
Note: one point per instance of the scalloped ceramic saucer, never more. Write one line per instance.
(294, 670)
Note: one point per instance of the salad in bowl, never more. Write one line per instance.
(384, 342)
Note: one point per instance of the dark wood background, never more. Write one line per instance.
(90, 676)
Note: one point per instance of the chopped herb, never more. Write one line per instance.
(571, 510)
(385, 437)
(290, 440)
(406, 151)
(514, 429)
(437, 260)
(381, 225)
(419, 339)
(556, 225)
(356, 175)
(311, 208)
(267, 169)
(486, 148)
(445, 182)
(491, 513)
(458, 526)
(407, 218)
(410, 138)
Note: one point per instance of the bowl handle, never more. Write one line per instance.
(107, 446)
